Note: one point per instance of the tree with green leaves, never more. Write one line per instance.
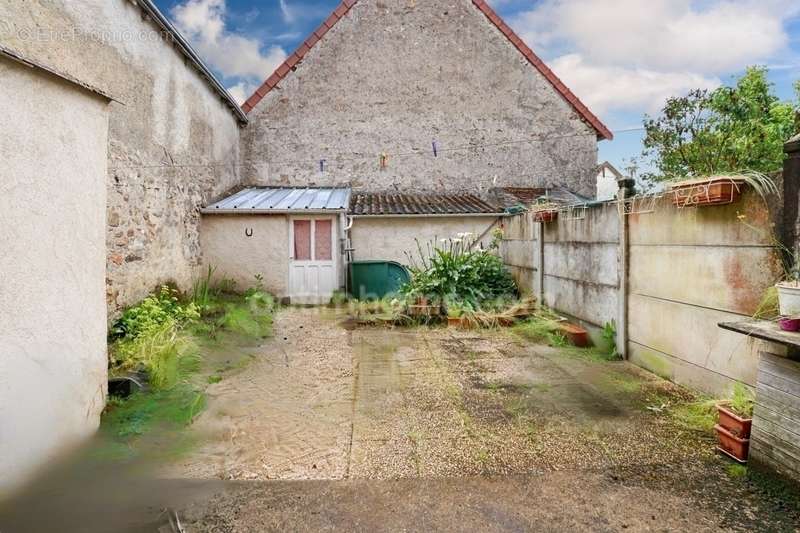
(727, 130)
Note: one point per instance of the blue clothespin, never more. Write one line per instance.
(322, 165)
(435, 150)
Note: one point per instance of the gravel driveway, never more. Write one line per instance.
(433, 427)
(330, 427)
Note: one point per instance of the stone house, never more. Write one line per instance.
(423, 111)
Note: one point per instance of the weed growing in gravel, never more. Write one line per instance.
(538, 329)
(736, 471)
(700, 415)
(591, 354)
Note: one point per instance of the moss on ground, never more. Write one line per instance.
(155, 420)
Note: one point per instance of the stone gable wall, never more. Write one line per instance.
(393, 75)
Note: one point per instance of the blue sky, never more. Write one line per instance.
(623, 58)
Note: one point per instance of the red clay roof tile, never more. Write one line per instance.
(292, 60)
(602, 131)
(373, 204)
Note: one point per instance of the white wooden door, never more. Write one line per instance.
(312, 259)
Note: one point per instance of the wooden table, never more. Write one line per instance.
(767, 331)
(775, 438)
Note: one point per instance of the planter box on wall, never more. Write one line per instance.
(720, 191)
(545, 216)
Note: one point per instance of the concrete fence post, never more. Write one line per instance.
(626, 189)
(538, 251)
(790, 221)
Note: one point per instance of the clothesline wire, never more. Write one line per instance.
(338, 159)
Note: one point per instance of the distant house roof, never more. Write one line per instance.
(606, 166)
(277, 200)
(526, 196)
(297, 56)
(433, 204)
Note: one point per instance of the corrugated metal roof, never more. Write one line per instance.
(283, 200)
(372, 204)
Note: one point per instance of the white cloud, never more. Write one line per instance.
(632, 54)
(203, 23)
(287, 12)
(604, 88)
(713, 37)
(242, 91)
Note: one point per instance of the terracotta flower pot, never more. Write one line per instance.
(731, 445)
(545, 216)
(576, 335)
(733, 423)
(454, 321)
(423, 310)
(719, 191)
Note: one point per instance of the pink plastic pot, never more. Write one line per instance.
(789, 324)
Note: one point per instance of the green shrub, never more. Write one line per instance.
(609, 335)
(259, 301)
(164, 352)
(245, 320)
(137, 415)
(456, 271)
(151, 313)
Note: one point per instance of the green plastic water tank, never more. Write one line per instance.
(371, 280)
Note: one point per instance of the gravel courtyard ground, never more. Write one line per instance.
(334, 427)
(372, 428)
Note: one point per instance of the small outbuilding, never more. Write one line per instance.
(299, 240)
(290, 237)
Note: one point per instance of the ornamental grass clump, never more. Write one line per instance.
(150, 337)
(460, 270)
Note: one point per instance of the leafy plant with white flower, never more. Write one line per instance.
(460, 270)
